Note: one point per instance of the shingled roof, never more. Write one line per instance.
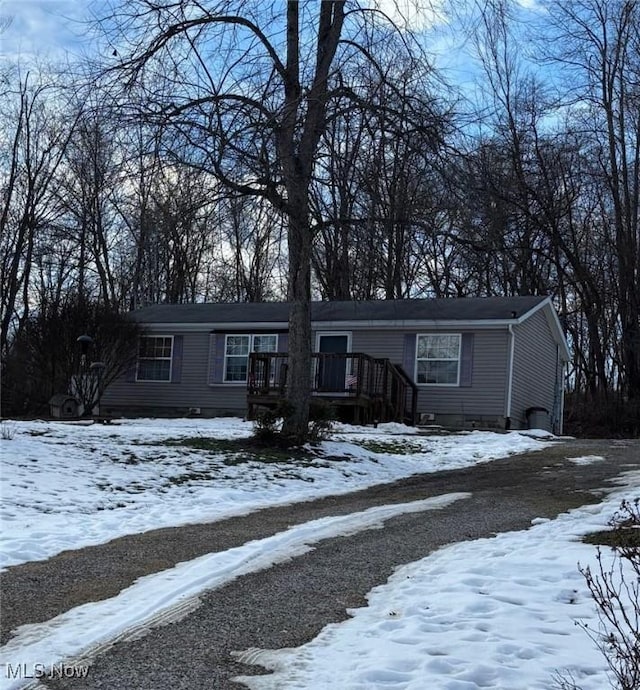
(445, 309)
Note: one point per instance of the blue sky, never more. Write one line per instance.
(49, 28)
(42, 29)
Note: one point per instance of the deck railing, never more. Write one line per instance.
(382, 389)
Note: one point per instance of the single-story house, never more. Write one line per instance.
(494, 362)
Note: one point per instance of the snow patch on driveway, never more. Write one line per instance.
(172, 594)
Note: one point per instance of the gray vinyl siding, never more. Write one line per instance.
(486, 395)
(193, 390)
(535, 367)
(533, 384)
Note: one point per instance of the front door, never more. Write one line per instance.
(332, 373)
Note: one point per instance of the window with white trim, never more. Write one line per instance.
(236, 354)
(438, 359)
(154, 358)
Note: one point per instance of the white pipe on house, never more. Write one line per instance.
(558, 395)
(507, 412)
(561, 387)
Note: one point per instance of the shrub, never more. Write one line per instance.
(602, 416)
(615, 589)
(7, 431)
(44, 357)
(322, 415)
(267, 424)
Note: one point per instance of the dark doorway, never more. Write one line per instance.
(332, 373)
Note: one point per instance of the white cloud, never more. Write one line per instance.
(416, 15)
(532, 5)
(42, 28)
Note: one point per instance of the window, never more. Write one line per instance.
(154, 358)
(237, 349)
(438, 360)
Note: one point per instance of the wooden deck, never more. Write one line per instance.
(364, 389)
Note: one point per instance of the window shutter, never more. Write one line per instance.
(176, 359)
(131, 370)
(409, 355)
(216, 358)
(466, 359)
(283, 342)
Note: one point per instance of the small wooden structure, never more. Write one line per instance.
(64, 406)
(368, 389)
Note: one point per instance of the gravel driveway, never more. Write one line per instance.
(288, 604)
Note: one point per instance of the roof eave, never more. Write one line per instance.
(369, 324)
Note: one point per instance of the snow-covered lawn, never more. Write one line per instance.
(65, 486)
(497, 613)
(494, 613)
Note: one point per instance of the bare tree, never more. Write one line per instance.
(252, 247)
(179, 243)
(38, 132)
(338, 225)
(598, 47)
(374, 188)
(251, 86)
(400, 178)
(87, 195)
(139, 173)
(45, 357)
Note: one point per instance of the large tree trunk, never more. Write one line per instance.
(298, 155)
(296, 423)
(241, 129)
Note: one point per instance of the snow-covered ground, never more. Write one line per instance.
(499, 613)
(65, 486)
(173, 593)
(494, 613)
